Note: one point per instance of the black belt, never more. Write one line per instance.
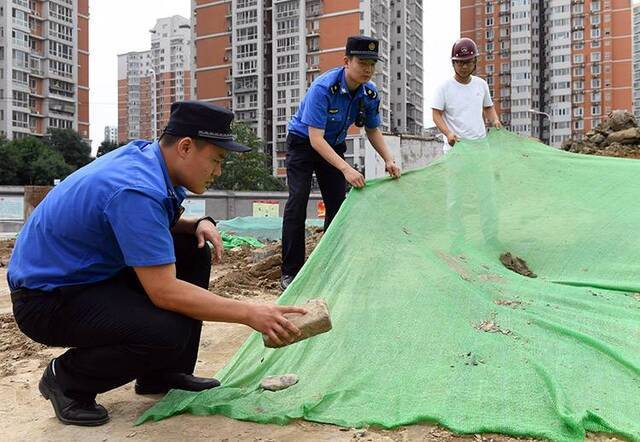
(295, 139)
(20, 294)
(24, 293)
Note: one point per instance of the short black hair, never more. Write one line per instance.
(167, 140)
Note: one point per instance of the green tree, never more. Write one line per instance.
(106, 147)
(29, 161)
(247, 171)
(75, 151)
(10, 163)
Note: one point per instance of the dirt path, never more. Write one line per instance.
(26, 416)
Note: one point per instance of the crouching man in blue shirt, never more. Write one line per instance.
(106, 265)
(316, 144)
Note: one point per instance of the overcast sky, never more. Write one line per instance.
(118, 26)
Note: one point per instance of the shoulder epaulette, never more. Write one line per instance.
(370, 93)
(334, 88)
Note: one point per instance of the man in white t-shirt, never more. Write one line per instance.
(461, 105)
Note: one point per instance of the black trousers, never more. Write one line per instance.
(302, 160)
(117, 334)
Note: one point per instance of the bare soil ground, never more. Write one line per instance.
(245, 274)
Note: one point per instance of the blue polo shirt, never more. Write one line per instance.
(116, 212)
(328, 105)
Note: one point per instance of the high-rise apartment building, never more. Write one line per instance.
(259, 57)
(149, 81)
(44, 67)
(111, 134)
(570, 59)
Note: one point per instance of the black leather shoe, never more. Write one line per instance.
(71, 411)
(285, 280)
(180, 381)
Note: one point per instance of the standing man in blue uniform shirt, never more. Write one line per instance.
(107, 266)
(316, 143)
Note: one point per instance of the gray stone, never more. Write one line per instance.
(626, 136)
(261, 254)
(596, 138)
(316, 321)
(277, 383)
(621, 120)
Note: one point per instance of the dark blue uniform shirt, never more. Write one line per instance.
(114, 213)
(328, 105)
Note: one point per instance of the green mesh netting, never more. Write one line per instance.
(232, 241)
(264, 228)
(429, 326)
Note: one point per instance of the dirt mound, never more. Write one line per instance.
(16, 347)
(6, 247)
(255, 272)
(617, 136)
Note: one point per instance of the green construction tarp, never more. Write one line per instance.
(232, 241)
(264, 228)
(429, 326)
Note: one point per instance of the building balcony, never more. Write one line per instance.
(37, 72)
(36, 15)
(35, 92)
(20, 105)
(20, 124)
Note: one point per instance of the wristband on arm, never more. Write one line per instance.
(208, 218)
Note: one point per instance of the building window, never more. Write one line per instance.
(20, 78)
(246, 17)
(20, 39)
(58, 30)
(287, 44)
(247, 50)
(287, 78)
(245, 34)
(20, 119)
(60, 12)
(247, 67)
(288, 61)
(287, 9)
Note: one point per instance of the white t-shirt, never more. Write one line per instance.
(462, 105)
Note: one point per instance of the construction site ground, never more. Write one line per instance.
(250, 275)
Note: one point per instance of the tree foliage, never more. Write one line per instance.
(247, 171)
(106, 147)
(29, 161)
(34, 161)
(75, 151)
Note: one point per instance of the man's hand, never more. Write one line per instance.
(497, 124)
(392, 169)
(206, 231)
(269, 319)
(353, 177)
(451, 138)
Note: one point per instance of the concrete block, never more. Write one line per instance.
(316, 321)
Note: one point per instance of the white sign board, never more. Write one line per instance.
(193, 208)
(11, 207)
(266, 208)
